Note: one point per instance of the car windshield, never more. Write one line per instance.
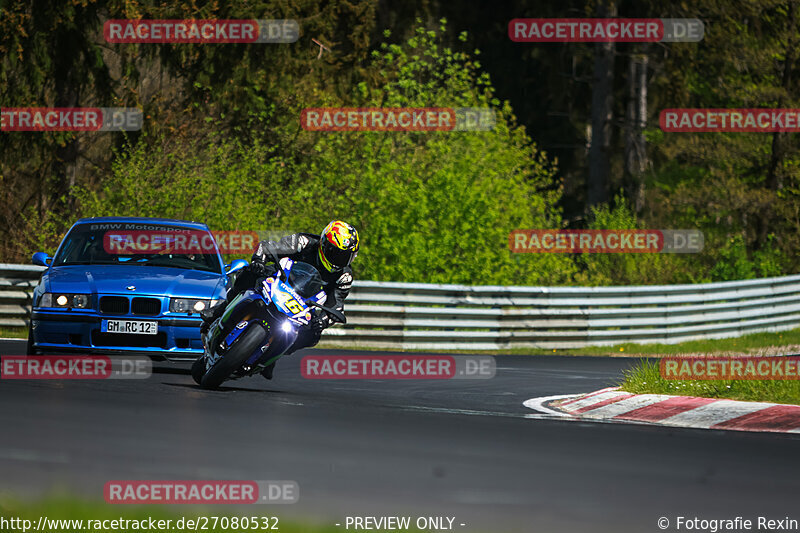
(305, 279)
(139, 244)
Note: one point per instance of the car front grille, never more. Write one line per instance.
(114, 305)
(146, 306)
(128, 340)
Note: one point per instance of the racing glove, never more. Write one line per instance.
(318, 323)
(259, 269)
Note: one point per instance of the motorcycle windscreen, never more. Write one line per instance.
(305, 279)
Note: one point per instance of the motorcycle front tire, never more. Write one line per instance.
(245, 345)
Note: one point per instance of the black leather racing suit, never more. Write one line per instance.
(299, 247)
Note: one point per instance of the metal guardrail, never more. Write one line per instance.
(16, 285)
(394, 315)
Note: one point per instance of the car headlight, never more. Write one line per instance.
(190, 305)
(64, 301)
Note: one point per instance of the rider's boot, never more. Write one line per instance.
(267, 372)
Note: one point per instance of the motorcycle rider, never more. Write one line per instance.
(330, 252)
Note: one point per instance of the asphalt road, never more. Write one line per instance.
(461, 448)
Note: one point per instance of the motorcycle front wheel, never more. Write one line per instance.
(245, 345)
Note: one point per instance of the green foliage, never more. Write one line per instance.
(734, 262)
(438, 207)
(48, 57)
(222, 143)
(218, 181)
(433, 207)
(629, 268)
(741, 189)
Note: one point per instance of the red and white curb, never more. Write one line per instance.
(680, 411)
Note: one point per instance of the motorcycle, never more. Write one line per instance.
(260, 324)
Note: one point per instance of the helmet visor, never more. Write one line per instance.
(336, 256)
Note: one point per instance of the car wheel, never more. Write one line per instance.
(29, 349)
(245, 345)
(198, 369)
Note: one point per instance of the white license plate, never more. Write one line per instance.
(136, 327)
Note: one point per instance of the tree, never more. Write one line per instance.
(602, 114)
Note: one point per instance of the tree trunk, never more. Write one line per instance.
(67, 94)
(602, 114)
(635, 122)
(776, 159)
(774, 181)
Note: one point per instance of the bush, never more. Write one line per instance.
(430, 207)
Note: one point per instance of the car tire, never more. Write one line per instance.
(235, 357)
(198, 369)
(29, 349)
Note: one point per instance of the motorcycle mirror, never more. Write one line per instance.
(235, 266)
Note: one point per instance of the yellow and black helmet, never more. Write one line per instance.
(338, 245)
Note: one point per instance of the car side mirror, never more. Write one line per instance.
(235, 266)
(41, 259)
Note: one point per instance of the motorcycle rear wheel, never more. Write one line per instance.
(245, 345)
(198, 369)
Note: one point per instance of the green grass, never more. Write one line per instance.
(645, 378)
(8, 332)
(71, 508)
(754, 344)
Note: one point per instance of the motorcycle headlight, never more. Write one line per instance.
(64, 301)
(190, 305)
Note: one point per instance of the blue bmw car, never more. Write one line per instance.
(93, 299)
